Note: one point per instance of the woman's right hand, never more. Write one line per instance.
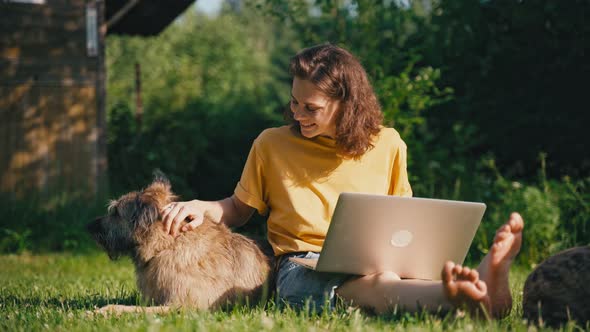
(175, 213)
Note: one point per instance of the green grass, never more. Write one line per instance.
(58, 292)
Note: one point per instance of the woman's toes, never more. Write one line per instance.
(474, 276)
(466, 271)
(516, 222)
(481, 286)
(504, 229)
(447, 272)
(496, 246)
(501, 236)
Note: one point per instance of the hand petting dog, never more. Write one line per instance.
(176, 214)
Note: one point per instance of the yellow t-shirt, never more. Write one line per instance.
(298, 180)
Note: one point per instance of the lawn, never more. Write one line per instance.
(60, 291)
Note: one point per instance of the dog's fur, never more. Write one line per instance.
(205, 268)
(558, 290)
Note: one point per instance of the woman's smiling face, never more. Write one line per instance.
(313, 110)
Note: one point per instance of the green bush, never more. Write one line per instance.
(541, 213)
(555, 213)
(575, 210)
(39, 225)
(202, 152)
(209, 87)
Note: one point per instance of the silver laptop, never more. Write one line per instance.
(412, 237)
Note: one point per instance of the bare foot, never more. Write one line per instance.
(462, 287)
(495, 267)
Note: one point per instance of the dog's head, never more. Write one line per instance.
(130, 216)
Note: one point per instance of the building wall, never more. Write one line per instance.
(52, 117)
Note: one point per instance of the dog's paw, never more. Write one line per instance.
(116, 309)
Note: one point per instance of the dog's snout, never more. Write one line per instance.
(94, 227)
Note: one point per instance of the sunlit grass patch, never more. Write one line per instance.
(61, 291)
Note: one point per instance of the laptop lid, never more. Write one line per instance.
(412, 237)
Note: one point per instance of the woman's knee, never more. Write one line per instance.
(385, 278)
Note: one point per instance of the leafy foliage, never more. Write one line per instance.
(516, 67)
(477, 89)
(208, 91)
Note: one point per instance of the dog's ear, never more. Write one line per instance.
(160, 179)
(159, 190)
(146, 211)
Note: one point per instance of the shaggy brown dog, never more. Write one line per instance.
(205, 268)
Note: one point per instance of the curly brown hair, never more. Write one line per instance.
(340, 76)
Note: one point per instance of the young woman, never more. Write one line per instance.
(335, 143)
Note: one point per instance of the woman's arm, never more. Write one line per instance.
(230, 211)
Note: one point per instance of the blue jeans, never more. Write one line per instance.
(299, 286)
